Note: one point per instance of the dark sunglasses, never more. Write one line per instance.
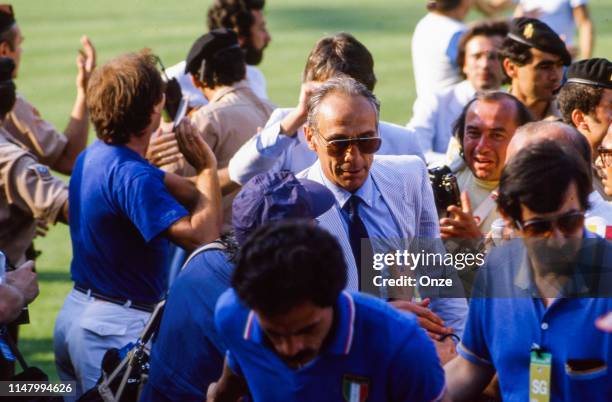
(567, 223)
(366, 145)
(606, 155)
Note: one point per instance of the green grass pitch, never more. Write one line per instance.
(52, 29)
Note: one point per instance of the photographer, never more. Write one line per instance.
(231, 117)
(28, 191)
(483, 130)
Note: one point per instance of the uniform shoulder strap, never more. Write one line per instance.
(213, 245)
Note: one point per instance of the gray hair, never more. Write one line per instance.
(343, 85)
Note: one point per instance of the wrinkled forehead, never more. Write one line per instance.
(347, 113)
(482, 44)
(491, 113)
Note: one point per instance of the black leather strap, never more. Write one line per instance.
(148, 308)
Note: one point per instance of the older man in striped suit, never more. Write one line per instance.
(386, 199)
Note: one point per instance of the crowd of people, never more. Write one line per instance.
(257, 226)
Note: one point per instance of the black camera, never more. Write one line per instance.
(5, 266)
(445, 188)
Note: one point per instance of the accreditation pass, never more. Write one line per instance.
(37, 388)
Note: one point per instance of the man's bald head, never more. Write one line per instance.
(536, 132)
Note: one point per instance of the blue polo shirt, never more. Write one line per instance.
(119, 205)
(188, 352)
(501, 331)
(374, 351)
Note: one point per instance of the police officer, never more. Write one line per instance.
(533, 57)
(247, 19)
(28, 191)
(586, 103)
(24, 123)
(234, 112)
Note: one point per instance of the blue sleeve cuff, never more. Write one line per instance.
(233, 364)
(472, 357)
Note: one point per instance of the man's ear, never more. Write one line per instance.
(157, 109)
(242, 40)
(579, 121)
(196, 82)
(507, 219)
(309, 134)
(5, 49)
(510, 68)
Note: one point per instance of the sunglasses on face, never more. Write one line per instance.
(606, 155)
(567, 224)
(366, 145)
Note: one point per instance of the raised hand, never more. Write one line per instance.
(194, 148)
(86, 63)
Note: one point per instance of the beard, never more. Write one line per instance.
(559, 260)
(300, 359)
(252, 55)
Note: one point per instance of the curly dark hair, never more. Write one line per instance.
(121, 96)
(340, 53)
(225, 68)
(538, 177)
(8, 93)
(234, 14)
(481, 28)
(443, 5)
(583, 97)
(285, 264)
(518, 53)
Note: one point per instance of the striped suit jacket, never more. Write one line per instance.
(404, 185)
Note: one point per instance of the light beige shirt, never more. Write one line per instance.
(229, 120)
(37, 135)
(28, 192)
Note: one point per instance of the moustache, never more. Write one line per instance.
(300, 357)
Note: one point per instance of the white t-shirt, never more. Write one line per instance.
(434, 52)
(557, 14)
(254, 77)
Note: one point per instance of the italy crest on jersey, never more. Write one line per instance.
(354, 388)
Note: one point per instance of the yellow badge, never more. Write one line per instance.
(528, 31)
(539, 377)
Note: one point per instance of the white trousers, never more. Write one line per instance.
(84, 330)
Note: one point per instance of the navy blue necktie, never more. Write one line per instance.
(357, 231)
